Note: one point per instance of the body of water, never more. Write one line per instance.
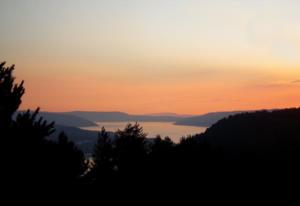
(175, 132)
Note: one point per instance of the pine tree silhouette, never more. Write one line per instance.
(31, 157)
(10, 95)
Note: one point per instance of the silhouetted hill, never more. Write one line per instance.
(66, 119)
(122, 117)
(266, 135)
(84, 139)
(205, 120)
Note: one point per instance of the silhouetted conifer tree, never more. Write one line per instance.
(104, 162)
(10, 95)
(31, 156)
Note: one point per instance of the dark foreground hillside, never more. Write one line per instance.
(264, 135)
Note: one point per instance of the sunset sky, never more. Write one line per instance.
(150, 56)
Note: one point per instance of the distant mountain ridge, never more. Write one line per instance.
(89, 118)
(170, 114)
(65, 119)
(121, 117)
(206, 120)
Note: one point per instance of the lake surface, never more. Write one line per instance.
(175, 132)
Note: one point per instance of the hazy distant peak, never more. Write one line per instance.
(169, 114)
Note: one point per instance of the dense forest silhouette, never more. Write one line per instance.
(246, 146)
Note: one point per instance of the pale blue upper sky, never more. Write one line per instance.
(132, 29)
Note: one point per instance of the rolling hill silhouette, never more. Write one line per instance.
(263, 135)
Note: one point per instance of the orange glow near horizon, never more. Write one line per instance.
(195, 93)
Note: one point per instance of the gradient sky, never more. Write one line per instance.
(138, 56)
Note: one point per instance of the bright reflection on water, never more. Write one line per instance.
(175, 132)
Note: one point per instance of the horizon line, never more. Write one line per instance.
(163, 113)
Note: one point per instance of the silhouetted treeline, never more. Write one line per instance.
(131, 158)
(241, 147)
